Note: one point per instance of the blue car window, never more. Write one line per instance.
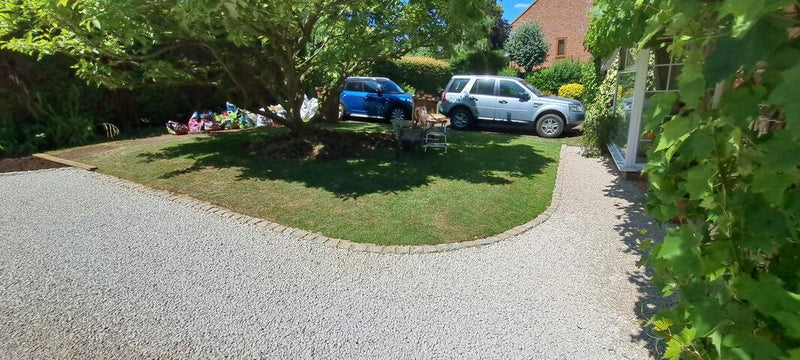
(370, 87)
(389, 87)
(353, 86)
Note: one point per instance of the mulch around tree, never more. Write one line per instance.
(27, 163)
(321, 145)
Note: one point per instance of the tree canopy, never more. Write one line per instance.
(266, 50)
(527, 46)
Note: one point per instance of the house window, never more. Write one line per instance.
(561, 48)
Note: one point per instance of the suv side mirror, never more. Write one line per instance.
(525, 97)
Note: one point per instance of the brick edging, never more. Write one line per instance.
(303, 235)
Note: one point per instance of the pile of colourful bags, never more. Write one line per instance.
(231, 118)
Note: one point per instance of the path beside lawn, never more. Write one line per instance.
(89, 269)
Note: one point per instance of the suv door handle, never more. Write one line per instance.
(503, 102)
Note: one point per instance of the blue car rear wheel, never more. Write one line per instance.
(397, 114)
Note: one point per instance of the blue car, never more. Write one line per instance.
(374, 97)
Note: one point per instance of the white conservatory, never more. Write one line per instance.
(640, 76)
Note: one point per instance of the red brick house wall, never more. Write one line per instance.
(567, 19)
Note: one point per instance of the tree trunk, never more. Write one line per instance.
(329, 104)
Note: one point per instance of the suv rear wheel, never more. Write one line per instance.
(461, 119)
(550, 126)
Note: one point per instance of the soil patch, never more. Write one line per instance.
(27, 163)
(320, 145)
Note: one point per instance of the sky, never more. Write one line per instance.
(512, 8)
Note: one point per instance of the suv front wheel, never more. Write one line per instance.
(461, 119)
(550, 126)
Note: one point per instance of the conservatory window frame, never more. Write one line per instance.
(626, 162)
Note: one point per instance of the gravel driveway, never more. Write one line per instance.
(89, 268)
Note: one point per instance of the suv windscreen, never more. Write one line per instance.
(509, 88)
(389, 87)
(458, 85)
(535, 90)
(353, 86)
(483, 87)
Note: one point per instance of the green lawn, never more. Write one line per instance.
(488, 183)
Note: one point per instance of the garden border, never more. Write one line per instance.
(300, 234)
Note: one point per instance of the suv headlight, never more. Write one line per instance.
(576, 108)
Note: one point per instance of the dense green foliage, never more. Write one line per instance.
(601, 117)
(551, 79)
(508, 71)
(418, 73)
(478, 62)
(46, 107)
(590, 83)
(724, 162)
(572, 91)
(527, 46)
(270, 51)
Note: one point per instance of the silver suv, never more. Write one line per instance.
(468, 99)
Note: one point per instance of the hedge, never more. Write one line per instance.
(551, 79)
(415, 73)
(480, 62)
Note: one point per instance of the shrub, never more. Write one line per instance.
(479, 62)
(551, 79)
(508, 71)
(601, 121)
(527, 46)
(589, 81)
(408, 88)
(415, 72)
(572, 91)
(543, 80)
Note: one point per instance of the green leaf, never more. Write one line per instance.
(692, 84)
(674, 131)
(786, 96)
(662, 324)
(769, 297)
(732, 53)
(748, 346)
(741, 106)
(773, 184)
(682, 248)
(687, 335)
(699, 181)
(745, 12)
(674, 350)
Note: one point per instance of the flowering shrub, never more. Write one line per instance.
(572, 91)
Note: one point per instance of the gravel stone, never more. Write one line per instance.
(91, 267)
